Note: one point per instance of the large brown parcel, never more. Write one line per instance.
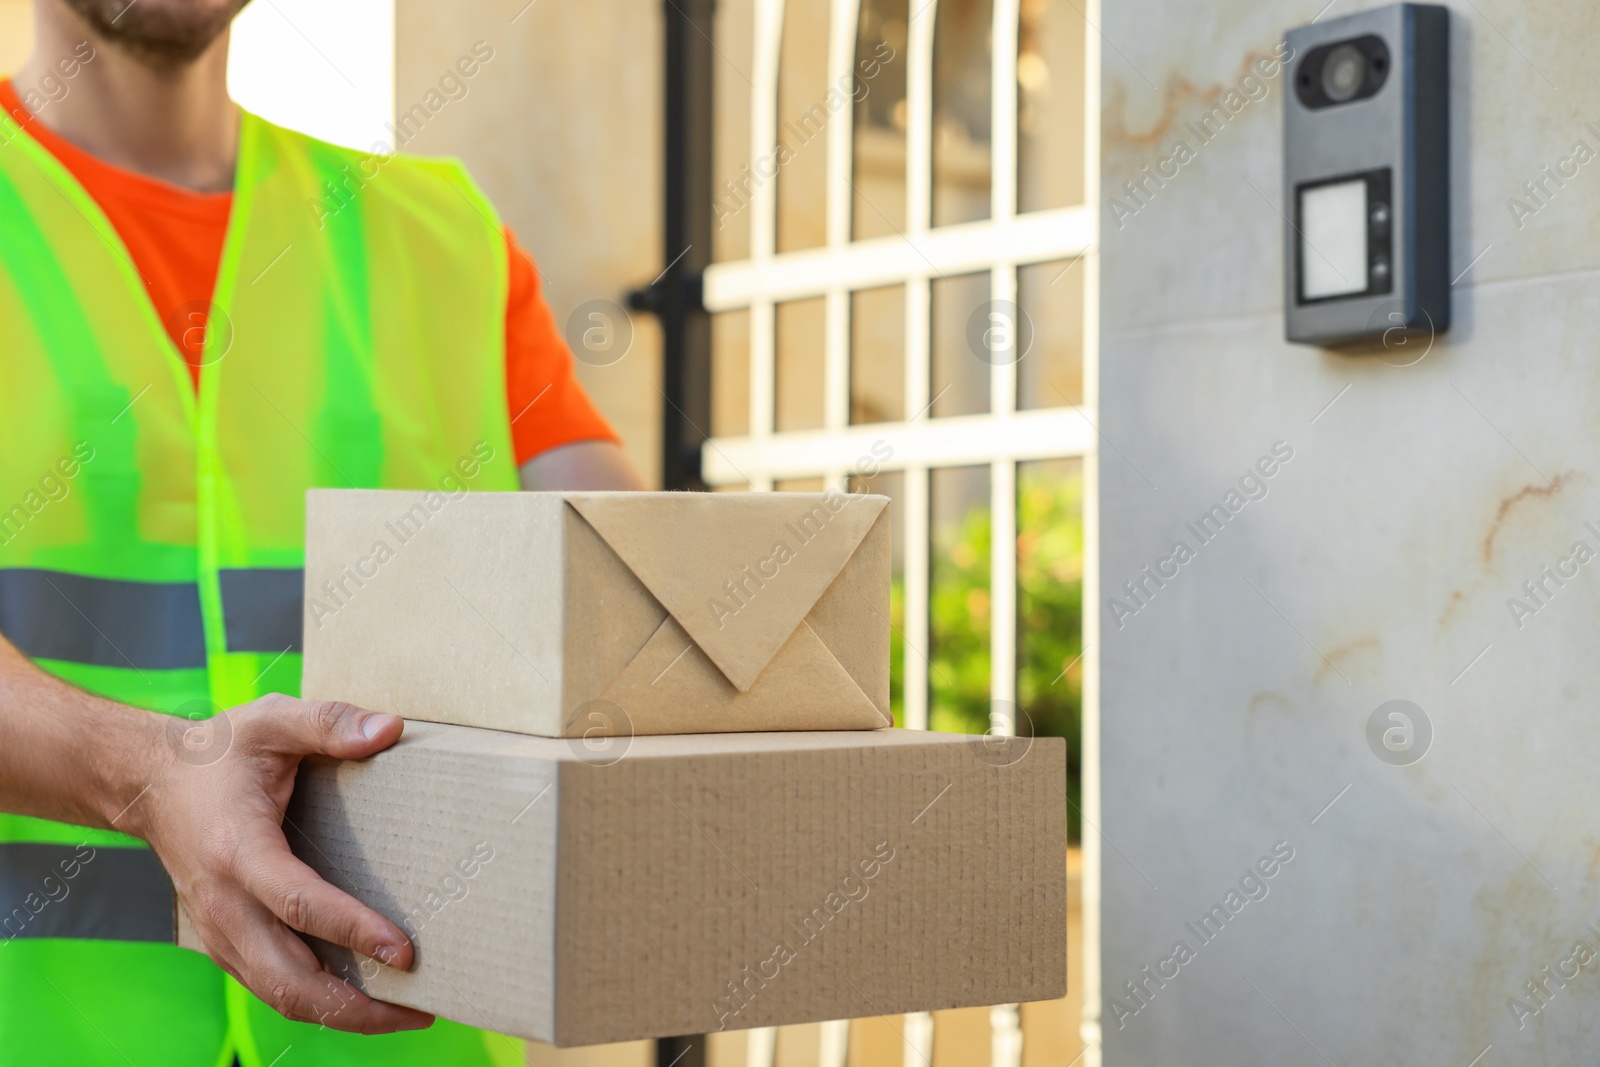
(563, 614)
(681, 884)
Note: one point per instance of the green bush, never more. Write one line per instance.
(1049, 621)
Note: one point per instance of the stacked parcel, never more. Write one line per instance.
(648, 786)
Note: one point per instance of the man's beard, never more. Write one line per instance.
(166, 34)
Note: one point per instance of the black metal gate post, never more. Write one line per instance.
(681, 1052)
(674, 297)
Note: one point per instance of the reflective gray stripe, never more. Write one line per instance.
(110, 622)
(105, 622)
(79, 891)
(263, 609)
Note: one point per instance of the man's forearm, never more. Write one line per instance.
(66, 754)
(585, 465)
(217, 828)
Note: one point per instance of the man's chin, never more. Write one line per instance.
(163, 33)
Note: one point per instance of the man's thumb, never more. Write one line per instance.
(349, 732)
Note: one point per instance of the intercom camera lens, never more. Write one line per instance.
(1343, 73)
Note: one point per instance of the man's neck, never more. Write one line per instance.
(177, 125)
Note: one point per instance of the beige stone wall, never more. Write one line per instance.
(562, 129)
(1397, 543)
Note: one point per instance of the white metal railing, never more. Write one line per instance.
(999, 439)
(877, 261)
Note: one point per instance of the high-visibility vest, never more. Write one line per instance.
(152, 542)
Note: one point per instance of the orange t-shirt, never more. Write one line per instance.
(175, 237)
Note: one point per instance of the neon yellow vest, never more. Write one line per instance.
(152, 543)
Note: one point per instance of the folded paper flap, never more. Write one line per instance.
(737, 571)
(804, 685)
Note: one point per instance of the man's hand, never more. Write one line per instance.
(218, 830)
(218, 827)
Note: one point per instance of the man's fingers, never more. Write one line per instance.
(358, 1013)
(219, 946)
(299, 897)
(329, 728)
(272, 962)
(285, 974)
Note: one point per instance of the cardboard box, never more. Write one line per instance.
(686, 884)
(566, 614)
